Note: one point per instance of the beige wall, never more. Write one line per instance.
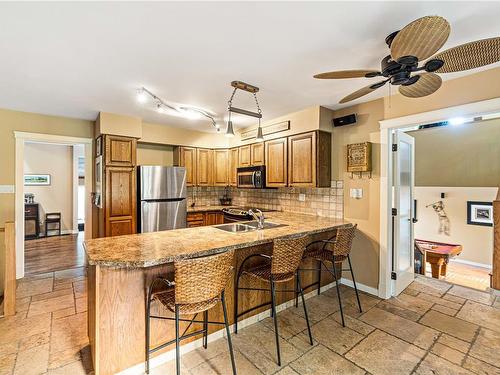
(477, 241)
(365, 211)
(57, 161)
(112, 123)
(465, 155)
(151, 154)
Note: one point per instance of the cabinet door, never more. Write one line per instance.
(245, 160)
(257, 153)
(120, 204)
(302, 160)
(120, 151)
(187, 159)
(276, 166)
(221, 168)
(233, 166)
(204, 166)
(210, 218)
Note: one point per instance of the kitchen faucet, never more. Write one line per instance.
(260, 217)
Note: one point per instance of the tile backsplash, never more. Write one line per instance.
(328, 202)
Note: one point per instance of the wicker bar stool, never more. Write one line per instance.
(335, 250)
(198, 286)
(280, 267)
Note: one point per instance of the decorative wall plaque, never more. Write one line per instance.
(359, 157)
(266, 130)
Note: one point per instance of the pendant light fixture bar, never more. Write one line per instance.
(238, 85)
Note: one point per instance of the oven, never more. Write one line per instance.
(252, 177)
(233, 215)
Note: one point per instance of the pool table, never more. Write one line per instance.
(438, 254)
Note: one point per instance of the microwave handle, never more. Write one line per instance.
(253, 178)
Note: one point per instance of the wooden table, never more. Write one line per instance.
(438, 254)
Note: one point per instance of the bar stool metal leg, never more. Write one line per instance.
(236, 302)
(205, 329)
(297, 290)
(305, 309)
(273, 309)
(148, 331)
(229, 341)
(354, 282)
(177, 342)
(337, 282)
(319, 277)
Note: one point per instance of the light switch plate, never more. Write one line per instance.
(302, 197)
(7, 189)
(356, 193)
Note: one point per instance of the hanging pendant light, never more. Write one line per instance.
(260, 136)
(229, 130)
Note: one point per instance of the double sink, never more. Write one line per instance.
(246, 227)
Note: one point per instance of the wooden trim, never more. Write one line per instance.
(495, 277)
(10, 270)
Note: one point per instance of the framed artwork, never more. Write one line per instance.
(480, 213)
(36, 179)
(98, 146)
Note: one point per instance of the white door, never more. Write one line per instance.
(403, 247)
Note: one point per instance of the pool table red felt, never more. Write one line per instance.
(437, 254)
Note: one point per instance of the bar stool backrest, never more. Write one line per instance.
(343, 244)
(287, 254)
(202, 279)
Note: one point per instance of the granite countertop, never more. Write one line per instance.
(208, 208)
(151, 249)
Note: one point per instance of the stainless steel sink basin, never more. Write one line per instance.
(236, 227)
(267, 224)
(246, 227)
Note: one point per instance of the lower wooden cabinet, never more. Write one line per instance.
(199, 219)
(120, 203)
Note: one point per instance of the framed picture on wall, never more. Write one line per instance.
(98, 146)
(36, 179)
(480, 213)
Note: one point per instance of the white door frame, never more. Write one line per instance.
(469, 110)
(21, 139)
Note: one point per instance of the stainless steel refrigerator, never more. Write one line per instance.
(161, 199)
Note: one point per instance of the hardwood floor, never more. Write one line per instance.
(54, 253)
(465, 275)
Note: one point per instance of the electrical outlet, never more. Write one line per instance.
(7, 189)
(302, 197)
(356, 193)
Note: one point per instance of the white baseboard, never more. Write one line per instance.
(170, 355)
(463, 261)
(69, 231)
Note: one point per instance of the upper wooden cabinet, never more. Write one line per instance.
(309, 159)
(276, 166)
(257, 153)
(244, 157)
(204, 166)
(186, 157)
(220, 168)
(233, 166)
(119, 151)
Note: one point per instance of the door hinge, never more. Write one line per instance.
(394, 212)
(394, 147)
(394, 276)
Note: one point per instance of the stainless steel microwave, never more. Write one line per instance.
(252, 177)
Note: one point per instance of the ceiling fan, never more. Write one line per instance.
(413, 44)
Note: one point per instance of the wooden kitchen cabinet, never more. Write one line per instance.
(233, 159)
(257, 153)
(120, 202)
(276, 166)
(213, 218)
(245, 156)
(186, 157)
(199, 219)
(309, 159)
(204, 167)
(220, 167)
(120, 151)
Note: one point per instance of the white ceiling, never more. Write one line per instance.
(75, 59)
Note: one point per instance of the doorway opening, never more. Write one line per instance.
(397, 269)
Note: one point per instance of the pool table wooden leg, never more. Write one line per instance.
(436, 266)
(443, 269)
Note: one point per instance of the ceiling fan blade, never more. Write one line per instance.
(362, 92)
(426, 85)
(470, 55)
(420, 38)
(347, 74)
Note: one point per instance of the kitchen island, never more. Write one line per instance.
(121, 269)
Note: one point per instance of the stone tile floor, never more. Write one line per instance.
(432, 328)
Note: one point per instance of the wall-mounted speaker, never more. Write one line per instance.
(344, 120)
